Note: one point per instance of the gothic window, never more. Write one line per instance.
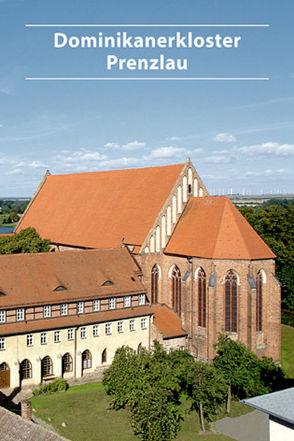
(231, 302)
(67, 363)
(176, 289)
(201, 298)
(86, 359)
(46, 366)
(25, 369)
(154, 284)
(259, 302)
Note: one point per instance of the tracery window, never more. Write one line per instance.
(154, 284)
(259, 302)
(176, 289)
(201, 298)
(231, 302)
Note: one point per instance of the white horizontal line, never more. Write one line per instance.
(147, 79)
(147, 25)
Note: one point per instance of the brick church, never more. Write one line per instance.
(199, 258)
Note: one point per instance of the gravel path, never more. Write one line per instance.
(253, 426)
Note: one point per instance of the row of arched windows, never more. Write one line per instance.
(231, 295)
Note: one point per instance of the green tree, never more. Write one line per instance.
(154, 414)
(26, 241)
(207, 389)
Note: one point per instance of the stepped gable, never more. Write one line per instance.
(167, 322)
(52, 278)
(213, 228)
(98, 209)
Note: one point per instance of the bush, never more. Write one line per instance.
(56, 386)
(288, 317)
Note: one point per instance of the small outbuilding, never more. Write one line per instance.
(280, 408)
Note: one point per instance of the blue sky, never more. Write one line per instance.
(239, 134)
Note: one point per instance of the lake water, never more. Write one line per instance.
(5, 230)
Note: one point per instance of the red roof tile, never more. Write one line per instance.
(167, 322)
(27, 279)
(96, 210)
(212, 227)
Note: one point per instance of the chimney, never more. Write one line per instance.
(26, 409)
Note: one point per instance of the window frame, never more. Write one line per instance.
(47, 311)
(83, 332)
(95, 330)
(112, 303)
(108, 329)
(30, 340)
(70, 334)
(57, 336)
(132, 325)
(141, 299)
(231, 302)
(64, 309)
(144, 323)
(120, 327)
(80, 307)
(127, 301)
(96, 305)
(3, 316)
(43, 338)
(20, 314)
(2, 344)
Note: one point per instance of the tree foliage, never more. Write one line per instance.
(26, 241)
(274, 222)
(246, 374)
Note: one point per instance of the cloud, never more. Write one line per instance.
(270, 172)
(166, 152)
(268, 149)
(133, 145)
(37, 164)
(221, 152)
(120, 162)
(82, 155)
(218, 159)
(225, 137)
(175, 138)
(15, 171)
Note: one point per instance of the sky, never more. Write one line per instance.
(238, 134)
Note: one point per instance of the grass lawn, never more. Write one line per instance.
(85, 411)
(288, 350)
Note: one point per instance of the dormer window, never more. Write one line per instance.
(60, 288)
(107, 283)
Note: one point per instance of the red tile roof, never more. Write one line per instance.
(27, 279)
(96, 210)
(212, 227)
(167, 322)
(73, 320)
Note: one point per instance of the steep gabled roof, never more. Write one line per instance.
(212, 227)
(32, 279)
(98, 209)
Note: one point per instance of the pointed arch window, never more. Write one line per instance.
(231, 302)
(259, 281)
(154, 284)
(176, 289)
(201, 298)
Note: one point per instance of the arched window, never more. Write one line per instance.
(104, 356)
(67, 363)
(259, 281)
(139, 348)
(231, 302)
(176, 289)
(25, 369)
(46, 366)
(86, 359)
(154, 284)
(4, 375)
(201, 298)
